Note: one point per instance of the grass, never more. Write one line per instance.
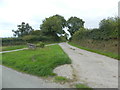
(83, 87)
(39, 62)
(109, 54)
(7, 48)
(0, 58)
(61, 79)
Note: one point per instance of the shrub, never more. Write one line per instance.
(30, 38)
(12, 41)
(40, 44)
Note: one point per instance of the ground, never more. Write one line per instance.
(94, 70)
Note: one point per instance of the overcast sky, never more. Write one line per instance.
(13, 12)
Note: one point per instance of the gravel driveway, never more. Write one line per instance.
(97, 71)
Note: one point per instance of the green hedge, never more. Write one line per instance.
(12, 41)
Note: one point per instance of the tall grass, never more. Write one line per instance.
(40, 62)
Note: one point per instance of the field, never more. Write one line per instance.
(39, 62)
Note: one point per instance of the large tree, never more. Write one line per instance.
(23, 29)
(53, 25)
(74, 24)
(109, 27)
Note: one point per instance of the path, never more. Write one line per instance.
(13, 50)
(97, 71)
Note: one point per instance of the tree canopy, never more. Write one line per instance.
(53, 25)
(74, 24)
(23, 29)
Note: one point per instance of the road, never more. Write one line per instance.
(97, 71)
(14, 79)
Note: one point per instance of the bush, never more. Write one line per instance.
(12, 41)
(30, 38)
(40, 44)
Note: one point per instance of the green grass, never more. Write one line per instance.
(7, 48)
(40, 62)
(83, 87)
(61, 79)
(0, 58)
(109, 54)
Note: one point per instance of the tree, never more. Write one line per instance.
(74, 24)
(53, 25)
(109, 27)
(23, 29)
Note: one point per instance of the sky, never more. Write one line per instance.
(13, 12)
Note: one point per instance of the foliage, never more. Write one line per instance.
(40, 44)
(30, 38)
(23, 29)
(80, 34)
(36, 32)
(7, 48)
(74, 24)
(12, 41)
(40, 62)
(53, 25)
(109, 54)
(108, 29)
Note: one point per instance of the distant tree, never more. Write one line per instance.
(74, 24)
(109, 27)
(53, 25)
(23, 29)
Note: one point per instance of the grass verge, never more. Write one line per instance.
(7, 48)
(39, 62)
(109, 54)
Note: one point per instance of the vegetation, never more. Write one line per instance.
(74, 24)
(0, 58)
(109, 54)
(12, 41)
(7, 48)
(83, 87)
(23, 29)
(102, 40)
(108, 29)
(52, 26)
(61, 79)
(40, 44)
(40, 62)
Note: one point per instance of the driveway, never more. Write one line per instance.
(97, 71)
